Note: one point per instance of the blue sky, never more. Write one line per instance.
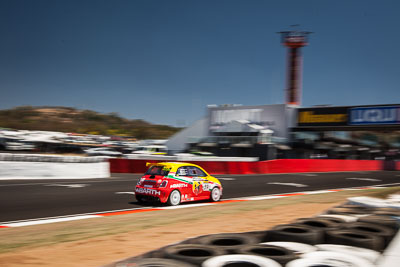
(165, 60)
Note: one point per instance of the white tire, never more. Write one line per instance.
(368, 254)
(346, 218)
(297, 248)
(221, 261)
(368, 201)
(328, 258)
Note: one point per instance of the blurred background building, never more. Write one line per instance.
(286, 131)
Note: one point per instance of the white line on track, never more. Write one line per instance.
(36, 222)
(316, 192)
(289, 184)
(365, 179)
(226, 179)
(264, 197)
(185, 206)
(69, 185)
(122, 193)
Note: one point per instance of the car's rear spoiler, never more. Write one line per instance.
(149, 164)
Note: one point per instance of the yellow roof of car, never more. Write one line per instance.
(171, 164)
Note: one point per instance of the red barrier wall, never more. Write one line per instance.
(259, 167)
(319, 165)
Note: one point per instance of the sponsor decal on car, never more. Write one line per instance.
(197, 188)
(148, 185)
(148, 191)
(178, 185)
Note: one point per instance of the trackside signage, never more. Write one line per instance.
(374, 115)
(349, 116)
(322, 117)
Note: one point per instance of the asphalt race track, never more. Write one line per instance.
(32, 199)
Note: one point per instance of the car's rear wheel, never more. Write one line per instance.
(215, 194)
(174, 198)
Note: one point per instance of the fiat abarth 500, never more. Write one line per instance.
(177, 182)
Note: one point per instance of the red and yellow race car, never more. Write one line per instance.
(177, 182)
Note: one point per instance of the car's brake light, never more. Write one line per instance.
(140, 181)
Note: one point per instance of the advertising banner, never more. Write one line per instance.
(330, 116)
(374, 115)
(349, 116)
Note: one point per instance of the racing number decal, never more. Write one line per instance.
(206, 186)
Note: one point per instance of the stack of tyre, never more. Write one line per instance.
(351, 235)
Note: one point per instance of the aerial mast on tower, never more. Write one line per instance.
(294, 40)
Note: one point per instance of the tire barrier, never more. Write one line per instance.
(320, 223)
(228, 242)
(279, 254)
(355, 238)
(335, 240)
(296, 233)
(238, 260)
(192, 253)
(384, 220)
(329, 259)
(388, 213)
(391, 203)
(368, 254)
(151, 262)
(262, 236)
(368, 201)
(360, 208)
(297, 248)
(372, 229)
(337, 217)
(349, 211)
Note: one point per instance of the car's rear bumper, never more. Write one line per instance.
(159, 193)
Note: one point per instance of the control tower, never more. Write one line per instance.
(294, 41)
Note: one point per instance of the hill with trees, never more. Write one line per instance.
(66, 119)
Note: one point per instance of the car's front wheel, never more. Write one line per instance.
(215, 194)
(174, 198)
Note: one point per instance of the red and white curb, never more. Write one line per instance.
(76, 217)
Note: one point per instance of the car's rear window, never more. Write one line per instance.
(158, 170)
